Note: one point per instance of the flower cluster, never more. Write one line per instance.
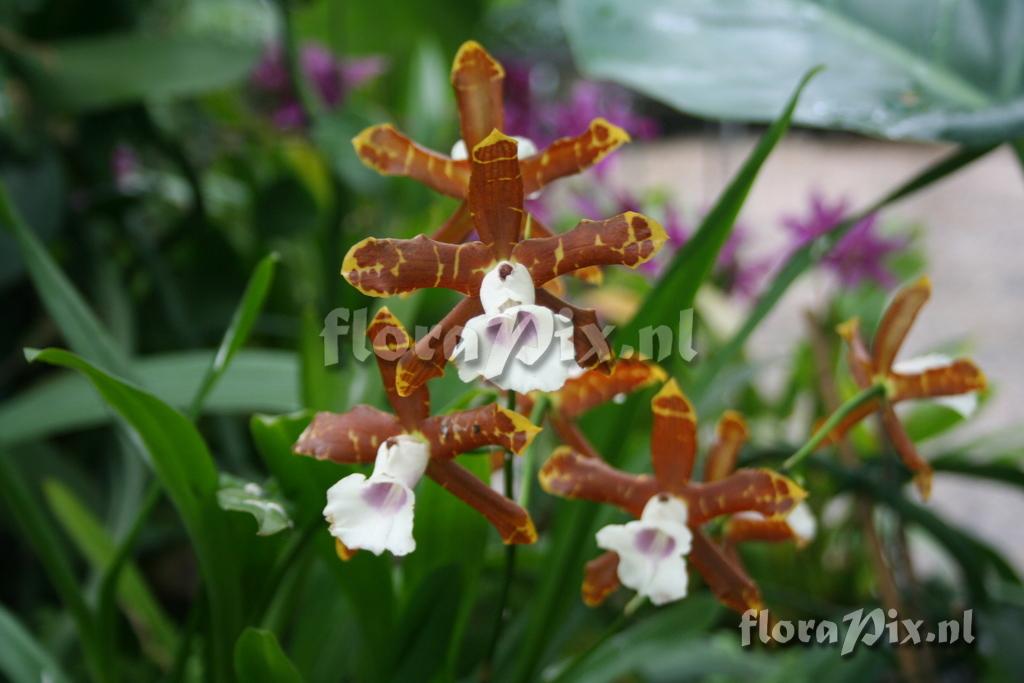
(513, 331)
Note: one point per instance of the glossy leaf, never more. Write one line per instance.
(689, 268)
(259, 658)
(153, 627)
(913, 69)
(238, 331)
(256, 380)
(22, 658)
(263, 502)
(183, 465)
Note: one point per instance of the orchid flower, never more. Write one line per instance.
(930, 377)
(375, 513)
(646, 556)
(502, 278)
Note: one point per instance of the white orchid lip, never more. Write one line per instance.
(376, 513)
(515, 343)
(652, 550)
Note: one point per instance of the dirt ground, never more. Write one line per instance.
(974, 240)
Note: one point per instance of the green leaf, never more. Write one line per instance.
(38, 531)
(92, 73)
(259, 657)
(913, 69)
(256, 380)
(263, 502)
(426, 627)
(689, 268)
(152, 626)
(22, 659)
(802, 259)
(239, 329)
(183, 465)
(69, 311)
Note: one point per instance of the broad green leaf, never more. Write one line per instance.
(802, 259)
(22, 658)
(909, 69)
(153, 628)
(427, 624)
(689, 268)
(38, 531)
(92, 73)
(69, 311)
(263, 502)
(183, 465)
(256, 380)
(259, 657)
(239, 329)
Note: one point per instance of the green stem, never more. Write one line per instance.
(487, 670)
(613, 629)
(871, 393)
(540, 409)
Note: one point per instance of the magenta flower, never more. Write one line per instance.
(860, 255)
(330, 78)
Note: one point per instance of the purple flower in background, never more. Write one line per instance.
(860, 255)
(126, 168)
(330, 78)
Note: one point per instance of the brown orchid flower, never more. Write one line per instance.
(502, 278)
(647, 555)
(478, 81)
(928, 377)
(375, 513)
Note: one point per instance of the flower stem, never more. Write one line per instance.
(487, 670)
(540, 409)
(620, 623)
(869, 394)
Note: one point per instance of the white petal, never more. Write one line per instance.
(965, 404)
(361, 525)
(802, 523)
(668, 582)
(507, 284)
(459, 151)
(401, 458)
(662, 578)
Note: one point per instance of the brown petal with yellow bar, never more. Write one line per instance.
(477, 79)
(351, 437)
(730, 435)
(600, 578)
(389, 341)
(858, 358)
(496, 192)
(389, 152)
(896, 322)
(429, 355)
(592, 388)
(740, 529)
(571, 475)
(512, 522)
(724, 576)
(571, 155)
(628, 239)
(907, 451)
(673, 437)
(534, 228)
(959, 377)
(589, 343)
(467, 430)
(385, 267)
(755, 490)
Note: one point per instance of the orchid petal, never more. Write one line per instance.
(496, 192)
(724, 576)
(571, 155)
(429, 355)
(512, 522)
(592, 350)
(351, 437)
(896, 322)
(388, 152)
(390, 341)
(730, 435)
(571, 475)
(385, 267)
(593, 388)
(760, 490)
(477, 79)
(600, 578)
(673, 436)
(467, 430)
(907, 451)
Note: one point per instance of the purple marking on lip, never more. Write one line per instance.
(386, 497)
(654, 543)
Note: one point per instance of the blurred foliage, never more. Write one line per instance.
(146, 189)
